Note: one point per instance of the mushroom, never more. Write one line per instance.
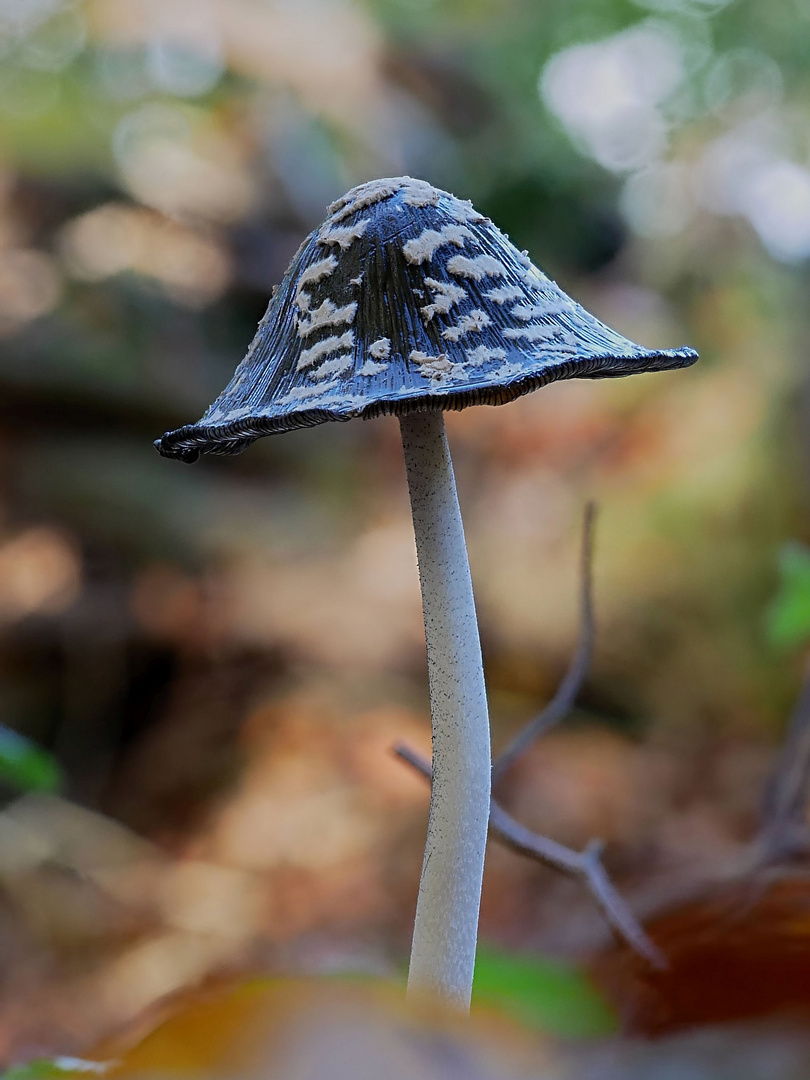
(407, 301)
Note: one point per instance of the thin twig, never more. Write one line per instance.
(784, 832)
(562, 702)
(586, 864)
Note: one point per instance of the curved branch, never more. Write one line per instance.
(783, 831)
(562, 702)
(586, 864)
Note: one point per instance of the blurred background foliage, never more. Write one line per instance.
(219, 657)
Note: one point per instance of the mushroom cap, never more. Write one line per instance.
(405, 299)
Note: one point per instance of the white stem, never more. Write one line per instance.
(446, 928)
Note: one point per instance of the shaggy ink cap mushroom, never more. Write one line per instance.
(406, 299)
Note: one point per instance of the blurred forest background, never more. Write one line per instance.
(217, 659)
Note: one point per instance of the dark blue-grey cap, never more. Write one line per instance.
(405, 299)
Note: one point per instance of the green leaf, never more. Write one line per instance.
(787, 622)
(62, 1067)
(34, 1070)
(25, 764)
(543, 993)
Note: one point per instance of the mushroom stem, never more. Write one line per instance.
(446, 927)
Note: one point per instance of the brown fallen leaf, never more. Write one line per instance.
(738, 950)
(322, 1028)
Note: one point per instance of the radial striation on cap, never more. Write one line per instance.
(406, 298)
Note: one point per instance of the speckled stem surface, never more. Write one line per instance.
(446, 928)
